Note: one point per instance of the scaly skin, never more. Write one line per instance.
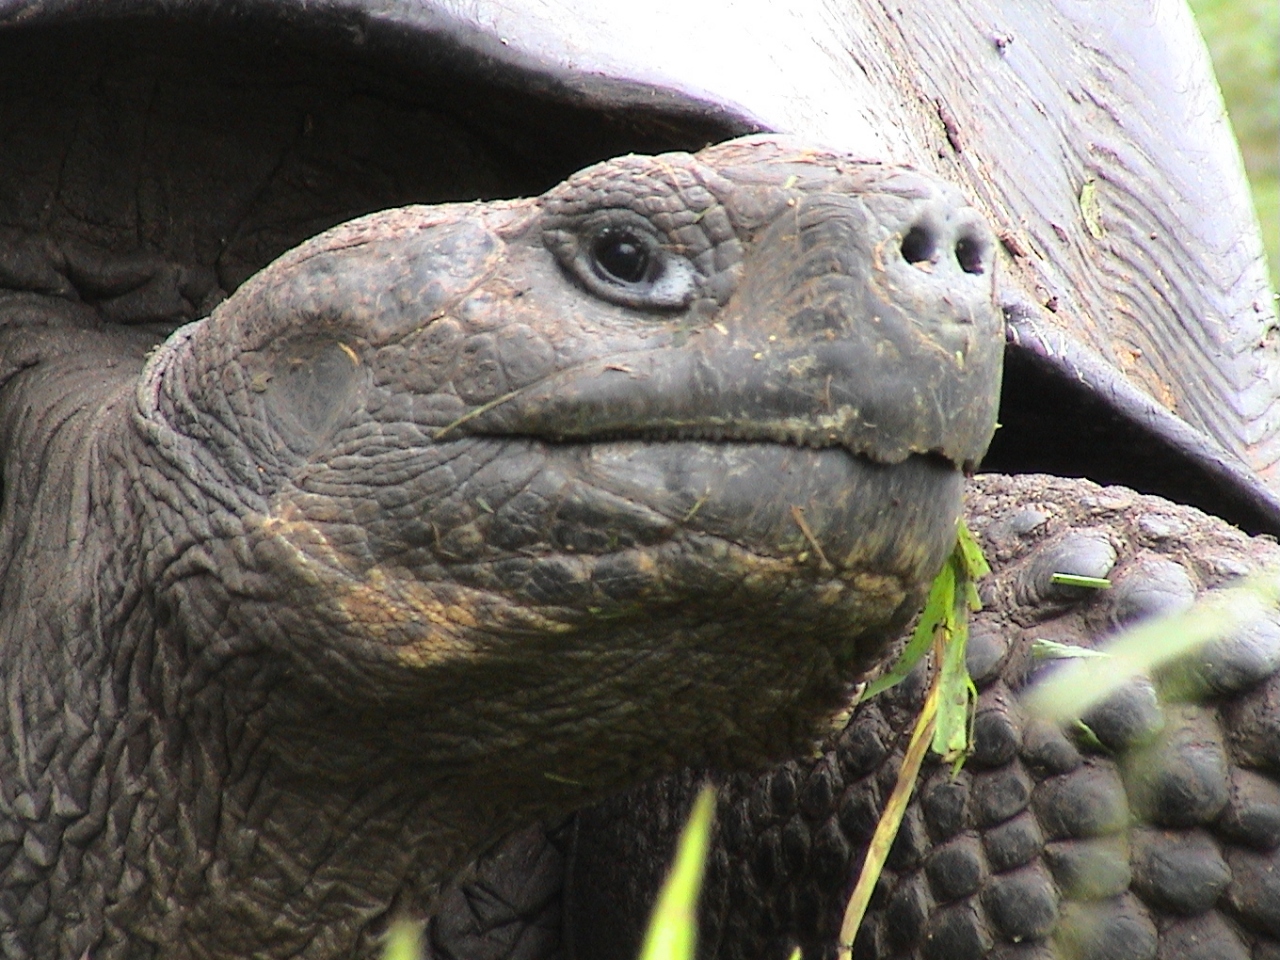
(437, 526)
(1156, 835)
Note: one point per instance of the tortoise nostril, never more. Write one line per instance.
(970, 252)
(919, 245)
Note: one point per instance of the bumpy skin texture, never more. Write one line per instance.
(458, 517)
(1154, 835)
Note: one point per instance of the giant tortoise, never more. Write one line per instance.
(388, 586)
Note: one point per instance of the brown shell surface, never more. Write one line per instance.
(1115, 184)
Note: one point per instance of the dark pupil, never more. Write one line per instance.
(622, 257)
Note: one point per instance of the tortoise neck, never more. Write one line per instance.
(134, 751)
(75, 640)
(64, 399)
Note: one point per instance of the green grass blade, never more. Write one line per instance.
(937, 613)
(673, 929)
(404, 942)
(975, 564)
(945, 720)
(1083, 681)
(1042, 649)
(956, 695)
(1076, 580)
(887, 827)
(965, 565)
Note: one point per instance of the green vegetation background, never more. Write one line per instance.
(1244, 40)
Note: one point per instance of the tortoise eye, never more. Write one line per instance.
(622, 256)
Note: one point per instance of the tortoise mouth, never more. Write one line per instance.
(821, 507)
(794, 398)
(781, 432)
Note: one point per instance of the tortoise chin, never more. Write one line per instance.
(758, 579)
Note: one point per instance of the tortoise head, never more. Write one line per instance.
(646, 469)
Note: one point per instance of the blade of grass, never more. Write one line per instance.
(956, 695)
(478, 411)
(963, 568)
(1076, 580)
(945, 718)
(937, 610)
(975, 564)
(890, 820)
(404, 942)
(1042, 649)
(673, 928)
(1083, 681)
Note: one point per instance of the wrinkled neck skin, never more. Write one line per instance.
(142, 812)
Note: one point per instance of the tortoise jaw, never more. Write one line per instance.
(825, 394)
(838, 514)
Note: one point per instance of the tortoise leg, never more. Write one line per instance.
(1153, 833)
(509, 906)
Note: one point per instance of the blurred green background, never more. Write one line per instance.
(1244, 40)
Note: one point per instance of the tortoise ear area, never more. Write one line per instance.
(244, 419)
(309, 387)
